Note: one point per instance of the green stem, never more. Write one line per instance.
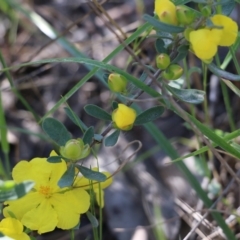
(226, 100)
(235, 61)
(205, 103)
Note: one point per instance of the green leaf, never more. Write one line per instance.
(97, 112)
(56, 131)
(160, 46)
(193, 96)
(68, 177)
(98, 138)
(232, 87)
(88, 136)
(54, 159)
(215, 138)
(149, 115)
(75, 119)
(162, 26)
(223, 74)
(227, 7)
(182, 53)
(111, 140)
(114, 105)
(92, 219)
(92, 175)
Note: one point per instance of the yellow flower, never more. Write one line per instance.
(13, 228)
(47, 206)
(229, 30)
(124, 117)
(204, 42)
(96, 186)
(166, 11)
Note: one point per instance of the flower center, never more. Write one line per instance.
(45, 190)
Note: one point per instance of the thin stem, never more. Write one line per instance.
(226, 100)
(205, 103)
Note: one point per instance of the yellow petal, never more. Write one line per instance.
(13, 228)
(203, 43)
(99, 195)
(229, 31)
(124, 116)
(23, 205)
(67, 207)
(42, 218)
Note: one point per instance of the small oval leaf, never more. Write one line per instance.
(162, 26)
(88, 136)
(193, 96)
(56, 131)
(111, 140)
(149, 115)
(160, 46)
(97, 112)
(92, 175)
(67, 178)
(223, 74)
(54, 159)
(92, 219)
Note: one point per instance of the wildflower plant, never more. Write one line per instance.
(53, 192)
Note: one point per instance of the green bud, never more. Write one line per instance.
(163, 61)
(187, 32)
(7, 185)
(185, 15)
(75, 149)
(173, 72)
(117, 83)
(206, 11)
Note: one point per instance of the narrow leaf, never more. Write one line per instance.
(193, 96)
(75, 119)
(111, 140)
(215, 138)
(223, 74)
(67, 178)
(88, 136)
(92, 219)
(54, 159)
(92, 175)
(56, 131)
(97, 112)
(149, 115)
(162, 26)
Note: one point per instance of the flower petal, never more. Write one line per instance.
(23, 205)
(229, 31)
(42, 218)
(204, 43)
(13, 228)
(68, 208)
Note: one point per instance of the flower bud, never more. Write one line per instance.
(75, 149)
(124, 117)
(163, 61)
(173, 72)
(206, 11)
(166, 11)
(185, 15)
(117, 83)
(7, 185)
